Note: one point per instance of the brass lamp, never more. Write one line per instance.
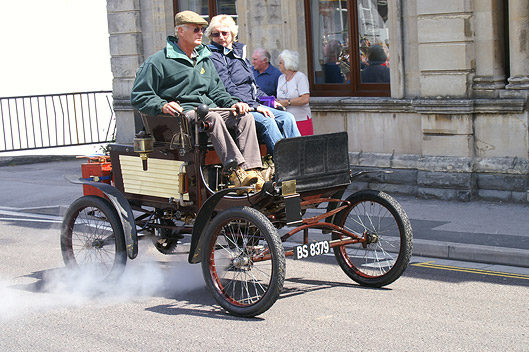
(143, 144)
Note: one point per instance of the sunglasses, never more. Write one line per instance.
(199, 29)
(217, 34)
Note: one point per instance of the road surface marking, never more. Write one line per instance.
(431, 265)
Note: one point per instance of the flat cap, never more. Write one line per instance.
(189, 17)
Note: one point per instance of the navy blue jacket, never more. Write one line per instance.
(375, 73)
(236, 72)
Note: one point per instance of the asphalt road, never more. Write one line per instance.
(162, 304)
(39, 184)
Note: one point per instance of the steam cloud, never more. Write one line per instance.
(144, 277)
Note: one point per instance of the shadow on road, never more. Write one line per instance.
(439, 273)
(304, 286)
(212, 311)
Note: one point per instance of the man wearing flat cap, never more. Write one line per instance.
(180, 77)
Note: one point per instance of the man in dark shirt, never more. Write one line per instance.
(265, 74)
(375, 71)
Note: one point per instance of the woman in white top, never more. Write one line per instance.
(293, 91)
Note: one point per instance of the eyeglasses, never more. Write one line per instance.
(217, 34)
(199, 29)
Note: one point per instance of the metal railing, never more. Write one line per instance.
(56, 120)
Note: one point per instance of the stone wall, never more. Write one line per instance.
(458, 131)
(448, 149)
(456, 125)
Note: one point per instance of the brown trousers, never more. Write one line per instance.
(245, 148)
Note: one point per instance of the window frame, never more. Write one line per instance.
(355, 87)
(212, 8)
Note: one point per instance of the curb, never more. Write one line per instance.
(471, 253)
(32, 159)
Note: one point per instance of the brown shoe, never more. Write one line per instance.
(240, 177)
(267, 174)
(260, 180)
(268, 169)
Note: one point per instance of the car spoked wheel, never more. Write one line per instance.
(243, 261)
(92, 239)
(385, 249)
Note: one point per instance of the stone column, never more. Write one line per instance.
(519, 46)
(396, 49)
(126, 51)
(137, 29)
(489, 46)
(445, 47)
(274, 25)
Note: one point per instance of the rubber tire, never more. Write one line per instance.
(209, 267)
(117, 258)
(403, 227)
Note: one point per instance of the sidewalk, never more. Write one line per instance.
(478, 231)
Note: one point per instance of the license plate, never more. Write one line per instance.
(311, 249)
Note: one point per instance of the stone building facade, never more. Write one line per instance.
(454, 121)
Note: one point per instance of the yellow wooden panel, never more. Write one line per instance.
(160, 179)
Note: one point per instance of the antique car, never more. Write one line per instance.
(171, 186)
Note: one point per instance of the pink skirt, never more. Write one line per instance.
(305, 127)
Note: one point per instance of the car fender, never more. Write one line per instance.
(123, 208)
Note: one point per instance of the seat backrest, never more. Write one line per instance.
(315, 162)
(175, 131)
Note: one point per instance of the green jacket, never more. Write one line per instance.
(169, 75)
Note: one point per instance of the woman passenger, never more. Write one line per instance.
(293, 91)
(233, 67)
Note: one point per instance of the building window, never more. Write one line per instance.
(207, 8)
(347, 47)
